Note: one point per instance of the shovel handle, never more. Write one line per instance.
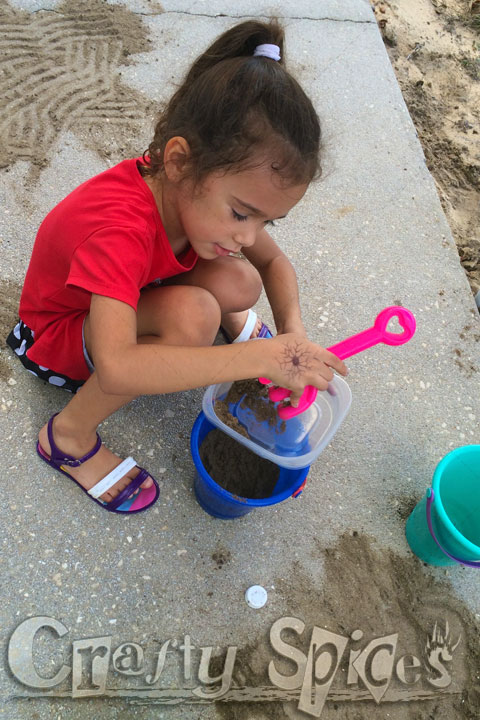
(345, 349)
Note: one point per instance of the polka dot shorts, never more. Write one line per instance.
(20, 340)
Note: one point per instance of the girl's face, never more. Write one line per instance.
(230, 210)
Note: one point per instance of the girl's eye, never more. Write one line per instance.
(269, 222)
(237, 216)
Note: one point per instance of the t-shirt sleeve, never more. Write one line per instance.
(113, 262)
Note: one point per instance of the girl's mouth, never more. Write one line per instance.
(221, 250)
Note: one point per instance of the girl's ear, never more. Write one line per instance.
(175, 158)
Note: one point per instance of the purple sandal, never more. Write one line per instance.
(248, 329)
(123, 504)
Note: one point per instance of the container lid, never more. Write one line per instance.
(256, 596)
(293, 443)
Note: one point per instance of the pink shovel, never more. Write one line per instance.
(345, 349)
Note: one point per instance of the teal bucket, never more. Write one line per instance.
(444, 528)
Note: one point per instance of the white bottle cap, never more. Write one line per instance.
(256, 596)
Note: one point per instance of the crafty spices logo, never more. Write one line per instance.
(303, 668)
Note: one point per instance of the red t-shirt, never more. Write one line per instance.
(106, 238)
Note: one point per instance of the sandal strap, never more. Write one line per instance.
(264, 332)
(114, 476)
(248, 327)
(129, 490)
(60, 458)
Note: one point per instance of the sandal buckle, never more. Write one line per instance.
(72, 463)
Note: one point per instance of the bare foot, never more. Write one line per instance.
(94, 469)
(233, 324)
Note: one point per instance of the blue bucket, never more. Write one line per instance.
(444, 528)
(222, 504)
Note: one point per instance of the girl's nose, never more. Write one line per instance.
(246, 238)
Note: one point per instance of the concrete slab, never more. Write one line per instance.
(370, 234)
(354, 10)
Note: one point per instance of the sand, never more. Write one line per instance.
(76, 51)
(387, 595)
(236, 468)
(434, 47)
(253, 395)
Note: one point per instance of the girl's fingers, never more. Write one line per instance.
(321, 384)
(331, 390)
(294, 400)
(335, 362)
(304, 363)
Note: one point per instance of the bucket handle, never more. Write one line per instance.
(298, 491)
(430, 499)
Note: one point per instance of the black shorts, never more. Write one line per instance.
(20, 340)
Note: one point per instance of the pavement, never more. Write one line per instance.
(371, 233)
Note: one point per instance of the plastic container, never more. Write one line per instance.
(304, 436)
(444, 527)
(220, 503)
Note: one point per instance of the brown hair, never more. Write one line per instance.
(235, 110)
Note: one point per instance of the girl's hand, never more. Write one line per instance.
(295, 362)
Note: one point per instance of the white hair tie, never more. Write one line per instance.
(267, 50)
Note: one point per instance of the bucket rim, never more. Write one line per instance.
(438, 504)
(244, 502)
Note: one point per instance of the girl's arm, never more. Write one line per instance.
(280, 283)
(125, 367)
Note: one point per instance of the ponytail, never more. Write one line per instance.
(235, 108)
(240, 41)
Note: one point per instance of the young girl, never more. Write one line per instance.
(133, 273)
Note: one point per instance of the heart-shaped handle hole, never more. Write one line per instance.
(394, 326)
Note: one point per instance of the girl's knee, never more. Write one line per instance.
(239, 285)
(202, 315)
(250, 280)
(233, 282)
(179, 314)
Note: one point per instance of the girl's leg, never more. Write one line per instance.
(74, 431)
(235, 284)
(170, 315)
